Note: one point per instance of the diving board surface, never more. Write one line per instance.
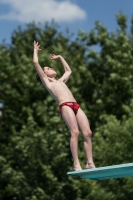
(103, 173)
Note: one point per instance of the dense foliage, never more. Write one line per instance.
(34, 141)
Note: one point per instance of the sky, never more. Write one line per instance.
(72, 14)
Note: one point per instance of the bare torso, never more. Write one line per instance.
(60, 92)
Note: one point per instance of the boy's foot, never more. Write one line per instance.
(77, 167)
(89, 166)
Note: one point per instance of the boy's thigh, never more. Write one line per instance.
(69, 118)
(82, 120)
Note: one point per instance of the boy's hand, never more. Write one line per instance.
(54, 57)
(36, 45)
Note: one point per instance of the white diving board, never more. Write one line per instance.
(103, 173)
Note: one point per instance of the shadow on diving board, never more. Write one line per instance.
(103, 173)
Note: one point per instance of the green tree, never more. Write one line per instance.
(34, 141)
(110, 72)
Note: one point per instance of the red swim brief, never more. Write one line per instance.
(73, 105)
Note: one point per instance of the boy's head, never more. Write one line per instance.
(50, 72)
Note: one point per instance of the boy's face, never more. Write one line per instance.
(50, 72)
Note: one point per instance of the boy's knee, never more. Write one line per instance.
(88, 134)
(75, 133)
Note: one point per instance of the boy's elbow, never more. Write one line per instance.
(70, 72)
(35, 61)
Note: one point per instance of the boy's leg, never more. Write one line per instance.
(70, 120)
(85, 128)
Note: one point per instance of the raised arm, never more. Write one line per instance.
(67, 69)
(38, 68)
